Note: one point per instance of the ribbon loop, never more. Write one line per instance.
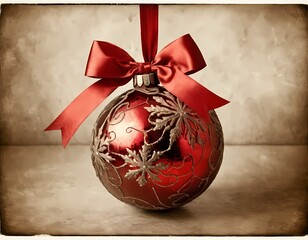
(108, 61)
(183, 53)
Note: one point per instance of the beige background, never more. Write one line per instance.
(257, 58)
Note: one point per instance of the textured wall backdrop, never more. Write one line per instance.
(256, 56)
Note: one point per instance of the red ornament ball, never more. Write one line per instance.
(152, 151)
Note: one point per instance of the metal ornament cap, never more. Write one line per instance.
(145, 80)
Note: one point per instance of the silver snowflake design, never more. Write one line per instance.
(143, 164)
(100, 148)
(172, 113)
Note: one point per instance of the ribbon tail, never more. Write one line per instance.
(81, 107)
(199, 98)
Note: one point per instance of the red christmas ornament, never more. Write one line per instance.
(159, 145)
(151, 150)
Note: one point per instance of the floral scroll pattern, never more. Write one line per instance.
(173, 114)
(170, 115)
(172, 123)
(143, 164)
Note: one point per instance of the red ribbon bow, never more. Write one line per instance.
(116, 68)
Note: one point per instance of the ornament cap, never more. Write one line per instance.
(145, 80)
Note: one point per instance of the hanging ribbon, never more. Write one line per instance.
(116, 67)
